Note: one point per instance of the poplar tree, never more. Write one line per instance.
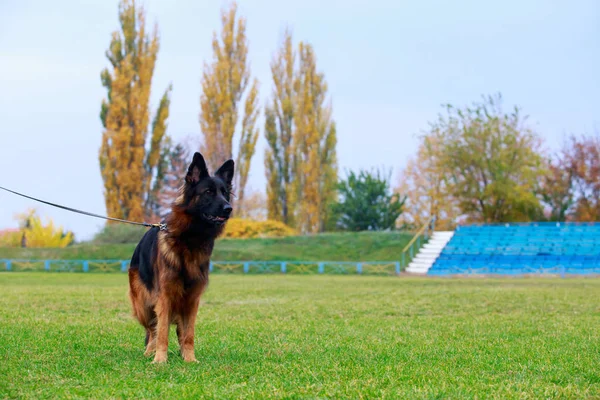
(224, 83)
(315, 142)
(279, 125)
(127, 168)
(301, 160)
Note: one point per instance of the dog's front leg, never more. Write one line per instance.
(163, 309)
(189, 322)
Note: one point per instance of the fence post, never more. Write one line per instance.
(124, 265)
(47, 265)
(398, 268)
(210, 266)
(359, 268)
(283, 267)
(321, 268)
(246, 267)
(8, 266)
(86, 266)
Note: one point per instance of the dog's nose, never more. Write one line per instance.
(227, 208)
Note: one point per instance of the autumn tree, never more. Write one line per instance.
(301, 160)
(279, 129)
(492, 159)
(225, 81)
(172, 170)
(426, 184)
(254, 207)
(128, 164)
(314, 140)
(556, 189)
(367, 202)
(580, 170)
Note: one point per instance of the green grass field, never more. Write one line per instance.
(72, 336)
(363, 246)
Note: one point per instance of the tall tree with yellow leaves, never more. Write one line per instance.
(224, 83)
(426, 184)
(279, 128)
(128, 169)
(315, 142)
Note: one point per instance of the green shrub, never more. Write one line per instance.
(119, 233)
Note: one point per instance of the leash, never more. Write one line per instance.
(162, 227)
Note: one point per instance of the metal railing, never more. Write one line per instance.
(421, 237)
(242, 267)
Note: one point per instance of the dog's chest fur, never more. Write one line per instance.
(188, 258)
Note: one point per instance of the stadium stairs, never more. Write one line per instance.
(428, 254)
(518, 249)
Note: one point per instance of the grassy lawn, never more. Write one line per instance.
(72, 336)
(363, 246)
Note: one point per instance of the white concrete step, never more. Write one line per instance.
(422, 262)
(438, 239)
(427, 255)
(418, 268)
(434, 245)
(435, 251)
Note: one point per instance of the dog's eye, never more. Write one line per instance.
(209, 191)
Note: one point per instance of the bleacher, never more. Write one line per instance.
(516, 249)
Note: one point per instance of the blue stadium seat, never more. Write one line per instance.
(513, 249)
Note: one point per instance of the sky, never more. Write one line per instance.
(390, 65)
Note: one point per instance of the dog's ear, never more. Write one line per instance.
(225, 172)
(197, 170)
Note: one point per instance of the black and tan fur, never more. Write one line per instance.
(169, 269)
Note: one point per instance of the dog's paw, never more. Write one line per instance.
(150, 349)
(189, 356)
(159, 358)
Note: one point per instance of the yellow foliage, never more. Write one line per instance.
(247, 229)
(225, 81)
(127, 161)
(314, 141)
(10, 239)
(36, 233)
(427, 187)
(279, 131)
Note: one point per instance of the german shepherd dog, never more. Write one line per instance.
(169, 269)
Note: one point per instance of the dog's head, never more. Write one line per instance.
(206, 197)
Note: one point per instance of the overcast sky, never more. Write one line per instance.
(389, 65)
